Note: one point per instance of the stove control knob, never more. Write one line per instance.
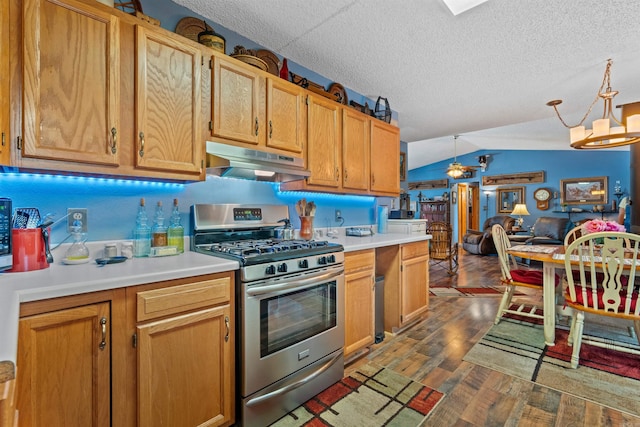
(322, 260)
(270, 270)
(282, 268)
(331, 258)
(303, 263)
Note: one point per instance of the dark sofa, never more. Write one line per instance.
(550, 231)
(481, 242)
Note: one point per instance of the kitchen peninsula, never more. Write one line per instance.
(152, 298)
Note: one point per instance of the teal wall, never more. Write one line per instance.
(557, 165)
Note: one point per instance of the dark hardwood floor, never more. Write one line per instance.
(431, 352)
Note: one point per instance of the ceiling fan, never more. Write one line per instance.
(456, 169)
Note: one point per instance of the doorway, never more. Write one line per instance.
(468, 207)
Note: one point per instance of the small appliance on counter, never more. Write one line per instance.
(6, 256)
(401, 214)
(359, 231)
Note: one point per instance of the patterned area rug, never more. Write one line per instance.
(485, 291)
(373, 396)
(516, 347)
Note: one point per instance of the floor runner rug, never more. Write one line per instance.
(607, 377)
(372, 396)
(485, 291)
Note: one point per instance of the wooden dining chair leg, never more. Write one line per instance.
(505, 302)
(636, 328)
(576, 331)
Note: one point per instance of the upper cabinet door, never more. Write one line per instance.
(356, 141)
(70, 91)
(323, 151)
(385, 158)
(285, 119)
(236, 113)
(5, 106)
(168, 99)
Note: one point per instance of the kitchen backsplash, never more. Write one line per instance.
(112, 204)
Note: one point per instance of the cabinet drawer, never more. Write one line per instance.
(412, 250)
(177, 299)
(359, 260)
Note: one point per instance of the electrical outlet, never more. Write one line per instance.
(79, 214)
(338, 215)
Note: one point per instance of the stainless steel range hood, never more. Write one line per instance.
(237, 162)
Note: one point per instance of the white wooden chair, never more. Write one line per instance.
(572, 235)
(513, 277)
(604, 284)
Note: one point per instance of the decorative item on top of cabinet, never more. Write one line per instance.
(382, 110)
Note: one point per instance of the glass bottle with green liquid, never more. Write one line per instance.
(176, 230)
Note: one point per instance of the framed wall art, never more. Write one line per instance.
(508, 198)
(584, 191)
(403, 166)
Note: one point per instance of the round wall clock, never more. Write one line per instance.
(542, 196)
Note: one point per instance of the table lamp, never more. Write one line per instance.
(520, 209)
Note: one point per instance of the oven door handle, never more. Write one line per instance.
(297, 284)
(292, 386)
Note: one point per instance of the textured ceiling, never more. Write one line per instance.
(485, 74)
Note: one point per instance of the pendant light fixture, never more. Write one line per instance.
(455, 169)
(604, 133)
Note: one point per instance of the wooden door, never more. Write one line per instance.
(385, 158)
(359, 300)
(71, 82)
(473, 201)
(323, 150)
(356, 143)
(463, 210)
(285, 116)
(168, 113)
(64, 364)
(5, 106)
(184, 370)
(236, 113)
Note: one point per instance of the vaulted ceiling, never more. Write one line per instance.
(485, 74)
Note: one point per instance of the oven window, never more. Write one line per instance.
(293, 317)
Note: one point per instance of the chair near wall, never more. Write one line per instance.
(513, 276)
(606, 288)
(441, 251)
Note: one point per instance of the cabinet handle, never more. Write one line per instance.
(337, 174)
(256, 126)
(373, 179)
(103, 343)
(113, 141)
(3, 138)
(141, 152)
(226, 323)
(346, 177)
(270, 129)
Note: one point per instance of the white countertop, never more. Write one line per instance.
(62, 280)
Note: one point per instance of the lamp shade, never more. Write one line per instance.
(520, 209)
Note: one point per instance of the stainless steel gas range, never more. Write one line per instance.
(289, 307)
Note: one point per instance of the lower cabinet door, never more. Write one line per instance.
(63, 368)
(184, 370)
(359, 311)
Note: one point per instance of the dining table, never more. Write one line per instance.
(552, 258)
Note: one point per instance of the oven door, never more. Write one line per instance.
(288, 323)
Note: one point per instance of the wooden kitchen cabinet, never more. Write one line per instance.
(185, 353)
(356, 142)
(324, 157)
(5, 106)
(406, 287)
(252, 109)
(71, 82)
(359, 301)
(168, 111)
(64, 363)
(385, 158)
(109, 95)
